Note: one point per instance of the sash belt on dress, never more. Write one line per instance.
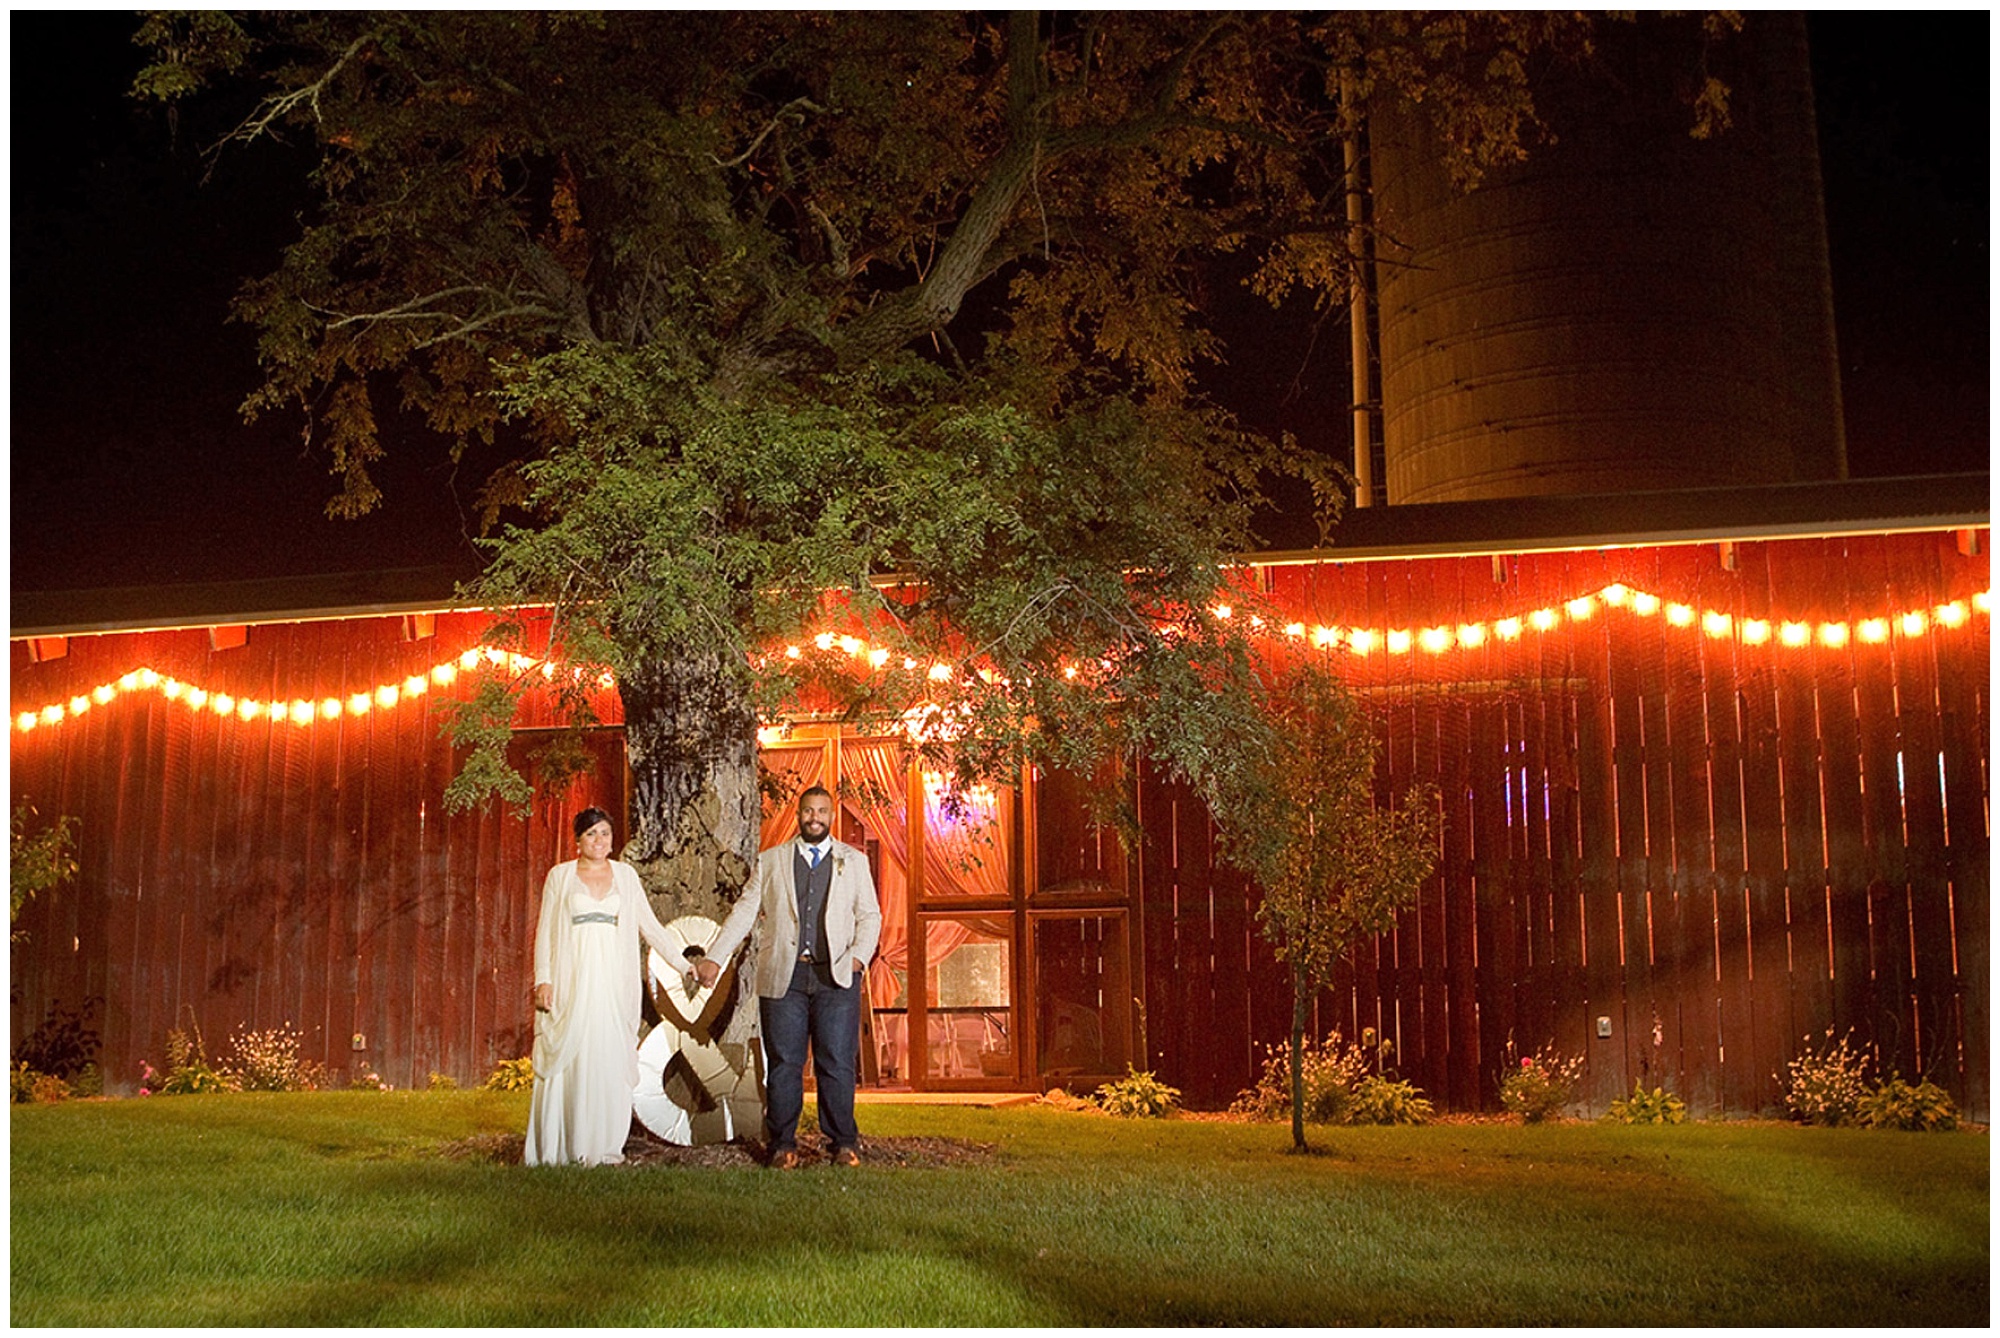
(594, 917)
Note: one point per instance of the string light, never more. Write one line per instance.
(1359, 641)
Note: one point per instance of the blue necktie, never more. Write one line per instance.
(812, 857)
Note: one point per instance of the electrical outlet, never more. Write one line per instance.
(361, 1041)
(1604, 1029)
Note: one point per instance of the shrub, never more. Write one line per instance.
(1658, 1106)
(1380, 1100)
(1331, 1071)
(1339, 1087)
(1539, 1086)
(188, 1069)
(30, 1086)
(268, 1061)
(367, 1080)
(1138, 1095)
(442, 1082)
(511, 1075)
(64, 1044)
(1827, 1085)
(1898, 1105)
(1060, 1098)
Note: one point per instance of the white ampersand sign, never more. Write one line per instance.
(693, 1089)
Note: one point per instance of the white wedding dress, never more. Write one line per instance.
(582, 1112)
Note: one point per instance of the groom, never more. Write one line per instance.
(817, 902)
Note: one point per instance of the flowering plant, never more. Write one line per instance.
(269, 1061)
(511, 1075)
(188, 1069)
(1539, 1087)
(1827, 1085)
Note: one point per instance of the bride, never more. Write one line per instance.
(587, 973)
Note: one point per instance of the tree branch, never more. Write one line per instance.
(787, 112)
(278, 106)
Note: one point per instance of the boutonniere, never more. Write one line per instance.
(838, 864)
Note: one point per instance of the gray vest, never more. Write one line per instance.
(812, 885)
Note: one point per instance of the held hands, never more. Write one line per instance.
(707, 972)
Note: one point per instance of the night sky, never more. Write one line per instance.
(130, 464)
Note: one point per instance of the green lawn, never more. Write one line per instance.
(338, 1208)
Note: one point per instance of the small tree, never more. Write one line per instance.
(39, 861)
(1335, 863)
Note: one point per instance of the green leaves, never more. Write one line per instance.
(38, 860)
(1057, 566)
(1336, 861)
(900, 310)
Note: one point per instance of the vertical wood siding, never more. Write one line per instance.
(1727, 850)
(249, 875)
(1724, 849)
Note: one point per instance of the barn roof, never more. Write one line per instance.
(1512, 525)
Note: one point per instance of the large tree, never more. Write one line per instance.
(772, 305)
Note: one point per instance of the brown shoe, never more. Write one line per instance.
(788, 1160)
(846, 1157)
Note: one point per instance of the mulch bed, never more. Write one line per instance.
(643, 1150)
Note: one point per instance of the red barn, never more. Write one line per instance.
(1714, 768)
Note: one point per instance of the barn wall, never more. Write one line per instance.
(1721, 848)
(246, 875)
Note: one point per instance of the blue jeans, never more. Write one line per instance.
(816, 1010)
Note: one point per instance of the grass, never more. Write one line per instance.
(338, 1208)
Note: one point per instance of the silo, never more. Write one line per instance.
(1630, 308)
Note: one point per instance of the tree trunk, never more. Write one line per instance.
(691, 751)
(1301, 1013)
(691, 746)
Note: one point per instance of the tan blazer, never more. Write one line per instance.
(853, 920)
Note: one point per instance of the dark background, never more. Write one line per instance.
(130, 464)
